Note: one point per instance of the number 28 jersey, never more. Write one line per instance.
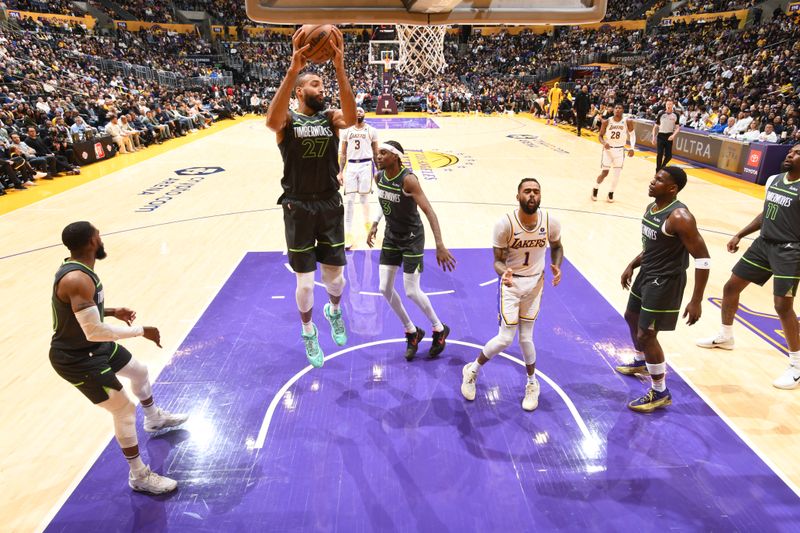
(526, 248)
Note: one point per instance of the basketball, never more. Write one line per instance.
(319, 37)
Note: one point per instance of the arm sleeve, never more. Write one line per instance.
(554, 229)
(98, 331)
(501, 233)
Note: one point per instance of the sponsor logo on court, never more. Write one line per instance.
(424, 162)
(170, 188)
(533, 141)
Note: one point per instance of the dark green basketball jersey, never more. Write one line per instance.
(310, 151)
(664, 254)
(402, 217)
(67, 332)
(781, 210)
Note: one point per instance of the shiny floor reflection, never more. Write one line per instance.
(371, 442)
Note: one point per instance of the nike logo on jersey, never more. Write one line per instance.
(797, 378)
(517, 233)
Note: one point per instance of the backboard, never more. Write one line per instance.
(426, 12)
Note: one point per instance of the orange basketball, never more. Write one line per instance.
(320, 37)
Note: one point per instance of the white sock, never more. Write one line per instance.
(334, 307)
(475, 366)
(660, 385)
(151, 410)
(794, 359)
(438, 326)
(638, 356)
(136, 463)
(410, 328)
(308, 328)
(531, 378)
(726, 331)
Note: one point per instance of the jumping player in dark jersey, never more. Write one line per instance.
(399, 194)
(313, 213)
(669, 235)
(83, 351)
(775, 253)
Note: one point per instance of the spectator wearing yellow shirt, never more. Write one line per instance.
(554, 97)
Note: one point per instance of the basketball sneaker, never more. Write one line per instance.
(150, 482)
(610, 198)
(468, 379)
(412, 343)
(594, 195)
(162, 419)
(313, 351)
(651, 401)
(789, 380)
(531, 399)
(338, 332)
(717, 341)
(630, 369)
(439, 341)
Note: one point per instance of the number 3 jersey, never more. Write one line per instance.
(526, 248)
(781, 210)
(310, 150)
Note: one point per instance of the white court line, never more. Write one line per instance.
(367, 293)
(437, 293)
(278, 297)
(153, 376)
(289, 268)
(262, 432)
(485, 283)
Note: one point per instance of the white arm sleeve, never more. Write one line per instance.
(632, 138)
(98, 331)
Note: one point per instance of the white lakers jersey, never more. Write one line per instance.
(616, 132)
(359, 142)
(526, 248)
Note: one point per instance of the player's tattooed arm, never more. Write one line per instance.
(683, 224)
(627, 274)
(755, 225)
(278, 113)
(556, 257)
(505, 273)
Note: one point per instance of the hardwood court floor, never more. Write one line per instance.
(176, 224)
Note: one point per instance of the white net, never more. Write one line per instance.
(421, 49)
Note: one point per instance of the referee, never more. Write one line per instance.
(668, 127)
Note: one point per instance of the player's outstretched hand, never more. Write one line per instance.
(507, 278)
(693, 311)
(152, 334)
(733, 244)
(627, 275)
(445, 259)
(556, 270)
(299, 59)
(337, 43)
(371, 235)
(125, 314)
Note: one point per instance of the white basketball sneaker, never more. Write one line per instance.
(468, 382)
(789, 380)
(717, 341)
(150, 482)
(531, 399)
(162, 419)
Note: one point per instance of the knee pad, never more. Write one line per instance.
(411, 285)
(500, 342)
(333, 278)
(140, 379)
(386, 274)
(124, 413)
(526, 342)
(304, 294)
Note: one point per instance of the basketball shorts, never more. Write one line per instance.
(657, 300)
(765, 259)
(406, 250)
(358, 177)
(612, 158)
(314, 232)
(520, 302)
(93, 372)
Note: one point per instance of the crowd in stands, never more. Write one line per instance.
(59, 7)
(693, 7)
(624, 10)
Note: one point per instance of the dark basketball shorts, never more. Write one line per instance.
(765, 259)
(93, 372)
(405, 250)
(314, 232)
(657, 300)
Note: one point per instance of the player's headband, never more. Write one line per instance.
(390, 148)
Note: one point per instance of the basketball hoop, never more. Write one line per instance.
(421, 49)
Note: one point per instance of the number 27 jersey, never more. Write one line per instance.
(526, 248)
